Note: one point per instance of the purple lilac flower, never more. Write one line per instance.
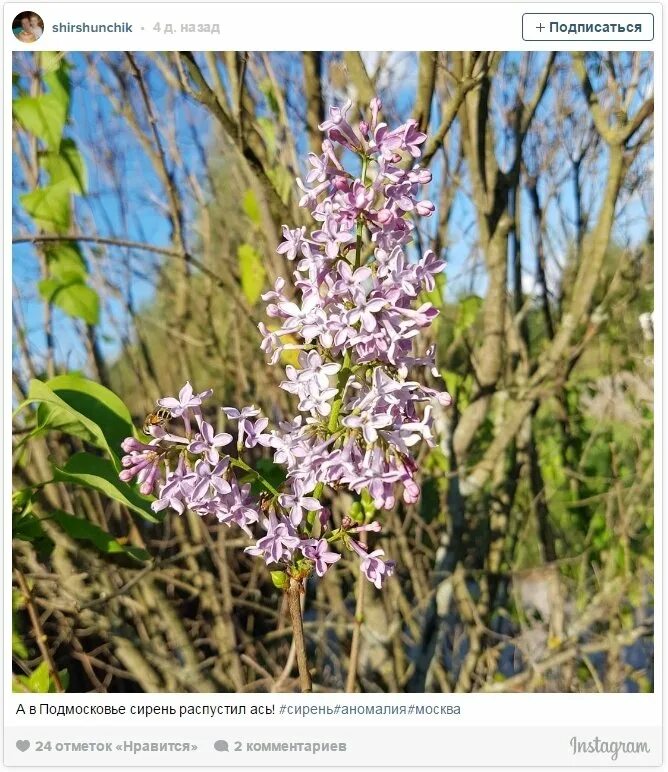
(292, 242)
(177, 490)
(356, 320)
(141, 462)
(279, 543)
(318, 551)
(375, 569)
(209, 479)
(186, 399)
(254, 432)
(296, 502)
(208, 443)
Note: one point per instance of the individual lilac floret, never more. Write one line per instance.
(279, 543)
(187, 398)
(208, 443)
(254, 432)
(296, 502)
(318, 551)
(375, 569)
(291, 245)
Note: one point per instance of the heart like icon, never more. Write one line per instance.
(23, 745)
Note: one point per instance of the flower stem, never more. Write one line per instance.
(351, 680)
(295, 606)
(360, 222)
(344, 374)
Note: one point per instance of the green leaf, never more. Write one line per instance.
(64, 680)
(272, 473)
(57, 78)
(75, 405)
(453, 380)
(280, 579)
(252, 272)
(67, 166)
(251, 207)
(49, 207)
(53, 413)
(49, 61)
(437, 296)
(27, 528)
(99, 473)
(268, 131)
(267, 88)
(83, 530)
(98, 403)
(355, 512)
(65, 259)
(22, 500)
(282, 182)
(73, 296)
(38, 681)
(44, 116)
(18, 647)
(467, 313)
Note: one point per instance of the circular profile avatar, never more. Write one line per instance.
(28, 26)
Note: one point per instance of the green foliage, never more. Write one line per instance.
(356, 512)
(81, 408)
(251, 207)
(83, 530)
(49, 207)
(268, 131)
(65, 260)
(26, 525)
(43, 116)
(40, 681)
(280, 579)
(66, 167)
(252, 272)
(282, 182)
(84, 409)
(71, 294)
(467, 313)
(267, 89)
(19, 648)
(101, 475)
(66, 287)
(272, 473)
(75, 405)
(50, 204)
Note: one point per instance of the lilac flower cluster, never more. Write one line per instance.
(354, 318)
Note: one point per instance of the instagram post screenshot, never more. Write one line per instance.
(331, 386)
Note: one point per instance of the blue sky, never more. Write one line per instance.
(125, 198)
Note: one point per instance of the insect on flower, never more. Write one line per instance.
(157, 417)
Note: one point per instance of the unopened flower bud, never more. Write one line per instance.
(424, 208)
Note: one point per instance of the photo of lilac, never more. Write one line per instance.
(333, 372)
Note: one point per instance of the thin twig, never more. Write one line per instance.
(40, 635)
(351, 680)
(294, 604)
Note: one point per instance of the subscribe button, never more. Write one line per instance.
(587, 26)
